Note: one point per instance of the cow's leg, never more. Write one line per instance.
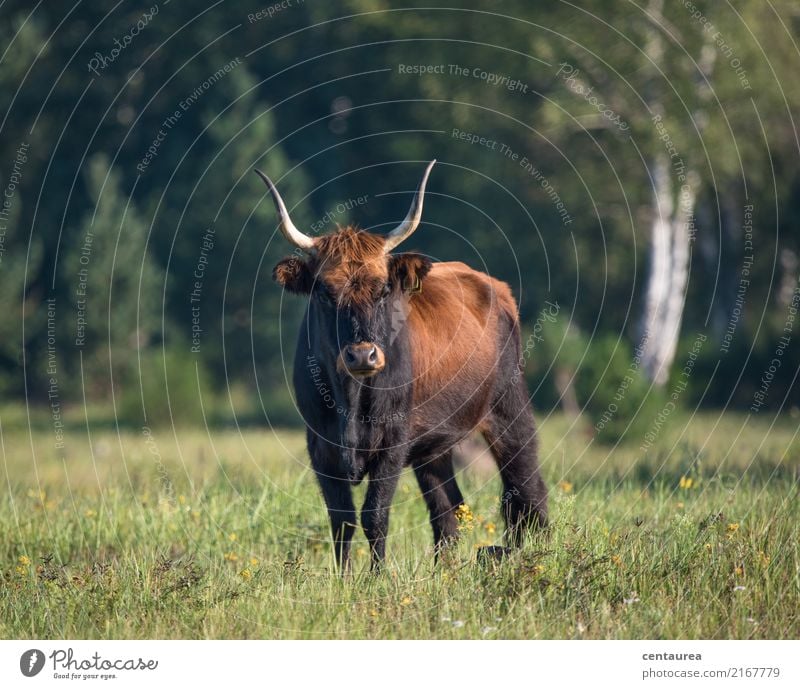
(383, 477)
(511, 433)
(338, 497)
(442, 496)
(342, 513)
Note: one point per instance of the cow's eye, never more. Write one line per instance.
(324, 297)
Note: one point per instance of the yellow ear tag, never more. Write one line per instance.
(413, 286)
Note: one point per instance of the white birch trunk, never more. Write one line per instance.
(668, 271)
(673, 212)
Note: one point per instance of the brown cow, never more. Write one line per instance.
(397, 361)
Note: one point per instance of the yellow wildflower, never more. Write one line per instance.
(254, 562)
(679, 505)
(739, 571)
(733, 527)
(89, 514)
(490, 527)
(233, 537)
(686, 483)
(373, 612)
(465, 517)
(565, 486)
(231, 556)
(708, 547)
(406, 601)
(763, 558)
(246, 574)
(464, 512)
(617, 560)
(24, 560)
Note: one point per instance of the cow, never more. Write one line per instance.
(398, 360)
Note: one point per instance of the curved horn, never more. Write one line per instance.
(295, 236)
(404, 230)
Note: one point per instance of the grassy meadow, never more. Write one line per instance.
(223, 534)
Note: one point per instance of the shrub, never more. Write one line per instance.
(170, 386)
(619, 401)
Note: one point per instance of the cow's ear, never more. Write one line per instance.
(408, 270)
(294, 275)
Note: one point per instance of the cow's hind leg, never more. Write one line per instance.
(437, 482)
(338, 497)
(511, 433)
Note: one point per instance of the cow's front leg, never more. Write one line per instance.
(437, 482)
(342, 513)
(383, 477)
(338, 496)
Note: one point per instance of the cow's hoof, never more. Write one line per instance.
(489, 554)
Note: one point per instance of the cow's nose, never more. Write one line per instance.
(364, 358)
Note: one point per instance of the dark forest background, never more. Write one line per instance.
(130, 131)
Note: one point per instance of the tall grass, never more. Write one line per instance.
(222, 534)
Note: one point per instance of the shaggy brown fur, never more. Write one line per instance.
(453, 325)
(352, 265)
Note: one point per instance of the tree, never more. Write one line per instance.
(117, 288)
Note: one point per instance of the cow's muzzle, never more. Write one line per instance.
(361, 360)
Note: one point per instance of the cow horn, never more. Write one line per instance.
(295, 236)
(405, 229)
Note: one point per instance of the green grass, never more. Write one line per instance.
(220, 534)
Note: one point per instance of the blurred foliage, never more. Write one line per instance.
(614, 393)
(314, 94)
(171, 388)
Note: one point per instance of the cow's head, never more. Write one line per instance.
(354, 285)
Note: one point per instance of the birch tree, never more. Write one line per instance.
(659, 80)
(675, 182)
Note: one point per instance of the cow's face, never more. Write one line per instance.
(356, 292)
(354, 283)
